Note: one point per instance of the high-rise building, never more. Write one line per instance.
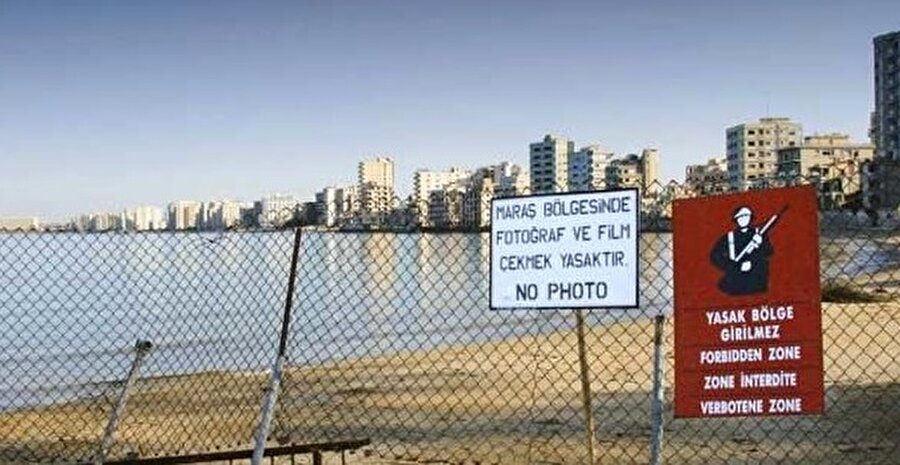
(751, 150)
(476, 202)
(708, 178)
(81, 223)
(231, 214)
(624, 172)
(824, 156)
(219, 215)
(882, 178)
(650, 184)
(184, 214)
(327, 208)
(425, 182)
(445, 206)
(503, 180)
(101, 222)
(376, 189)
(633, 170)
(347, 199)
(249, 214)
(587, 168)
(832, 162)
(144, 218)
(549, 164)
(277, 209)
(886, 119)
(510, 180)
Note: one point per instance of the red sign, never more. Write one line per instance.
(748, 322)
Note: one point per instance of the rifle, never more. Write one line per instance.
(762, 232)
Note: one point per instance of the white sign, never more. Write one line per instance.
(576, 250)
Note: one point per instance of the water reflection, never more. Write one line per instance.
(81, 301)
(379, 256)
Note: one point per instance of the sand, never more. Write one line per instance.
(515, 401)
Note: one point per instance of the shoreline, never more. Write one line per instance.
(509, 394)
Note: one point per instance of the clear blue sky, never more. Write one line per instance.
(106, 104)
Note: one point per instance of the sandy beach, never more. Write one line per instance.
(515, 401)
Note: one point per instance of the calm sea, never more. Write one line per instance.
(72, 306)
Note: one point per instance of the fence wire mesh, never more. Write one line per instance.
(74, 306)
(392, 340)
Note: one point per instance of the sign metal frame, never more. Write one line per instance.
(637, 249)
(784, 296)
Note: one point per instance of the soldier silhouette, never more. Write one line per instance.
(743, 255)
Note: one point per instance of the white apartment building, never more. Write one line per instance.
(231, 214)
(144, 218)
(476, 202)
(751, 149)
(650, 172)
(635, 171)
(467, 202)
(510, 180)
(376, 188)
(825, 155)
(100, 222)
(184, 214)
(503, 180)
(831, 161)
(327, 208)
(445, 206)
(347, 199)
(549, 164)
(219, 215)
(624, 172)
(557, 167)
(276, 210)
(587, 168)
(425, 182)
(336, 206)
(708, 178)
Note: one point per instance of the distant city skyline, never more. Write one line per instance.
(112, 105)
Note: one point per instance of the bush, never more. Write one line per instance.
(846, 293)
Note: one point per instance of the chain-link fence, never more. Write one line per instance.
(74, 306)
(392, 340)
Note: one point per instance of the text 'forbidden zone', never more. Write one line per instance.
(748, 337)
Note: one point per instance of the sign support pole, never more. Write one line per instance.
(586, 396)
(656, 412)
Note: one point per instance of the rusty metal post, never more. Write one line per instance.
(656, 410)
(142, 348)
(271, 397)
(586, 396)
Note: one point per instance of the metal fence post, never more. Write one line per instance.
(142, 348)
(658, 400)
(271, 398)
(586, 397)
